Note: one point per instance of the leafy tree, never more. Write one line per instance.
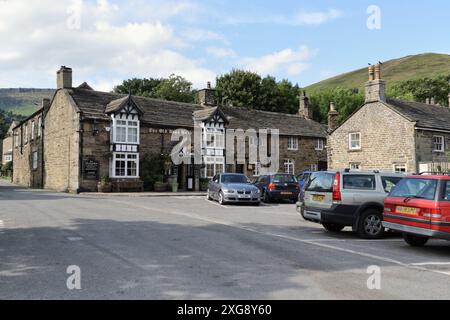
(347, 101)
(174, 88)
(422, 89)
(240, 89)
(245, 89)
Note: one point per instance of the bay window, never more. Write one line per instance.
(213, 166)
(126, 130)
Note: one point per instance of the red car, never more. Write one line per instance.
(419, 207)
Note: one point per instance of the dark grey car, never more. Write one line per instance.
(233, 188)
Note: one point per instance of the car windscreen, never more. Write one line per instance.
(321, 182)
(235, 179)
(284, 178)
(415, 188)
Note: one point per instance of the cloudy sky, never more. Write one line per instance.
(106, 41)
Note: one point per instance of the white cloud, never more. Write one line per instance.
(293, 62)
(301, 18)
(221, 52)
(315, 18)
(110, 45)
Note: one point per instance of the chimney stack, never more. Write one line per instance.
(46, 103)
(305, 109)
(64, 78)
(333, 118)
(207, 96)
(375, 87)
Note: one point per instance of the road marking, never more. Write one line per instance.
(75, 239)
(290, 238)
(216, 204)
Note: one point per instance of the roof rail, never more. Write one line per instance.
(434, 173)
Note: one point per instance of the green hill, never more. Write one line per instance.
(411, 67)
(23, 101)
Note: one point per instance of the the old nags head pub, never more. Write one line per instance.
(81, 136)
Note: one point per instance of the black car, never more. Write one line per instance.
(280, 186)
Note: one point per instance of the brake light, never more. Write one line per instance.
(337, 196)
(388, 208)
(431, 213)
(272, 186)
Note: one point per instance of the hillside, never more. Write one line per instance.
(23, 101)
(410, 67)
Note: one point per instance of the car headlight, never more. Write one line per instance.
(256, 191)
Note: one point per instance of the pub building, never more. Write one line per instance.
(82, 136)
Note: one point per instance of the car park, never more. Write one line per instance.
(276, 187)
(233, 188)
(348, 199)
(419, 207)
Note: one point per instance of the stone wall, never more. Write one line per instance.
(425, 148)
(23, 172)
(386, 139)
(6, 148)
(61, 145)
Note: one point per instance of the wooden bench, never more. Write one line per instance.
(128, 186)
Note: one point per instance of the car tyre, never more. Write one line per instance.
(332, 227)
(221, 198)
(370, 225)
(266, 197)
(415, 241)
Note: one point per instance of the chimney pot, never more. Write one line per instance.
(378, 72)
(333, 118)
(371, 72)
(64, 78)
(433, 101)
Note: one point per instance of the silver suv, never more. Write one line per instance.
(348, 199)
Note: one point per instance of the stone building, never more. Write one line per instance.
(7, 145)
(82, 135)
(391, 135)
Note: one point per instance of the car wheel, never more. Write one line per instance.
(266, 197)
(208, 197)
(370, 225)
(221, 198)
(415, 241)
(331, 227)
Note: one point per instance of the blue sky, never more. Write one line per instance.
(303, 41)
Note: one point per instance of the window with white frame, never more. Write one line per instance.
(438, 144)
(215, 138)
(320, 144)
(125, 165)
(355, 166)
(355, 141)
(33, 127)
(293, 143)
(257, 169)
(213, 166)
(126, 130)
(39, 132)
(35, 160)
(26, 134)
(289, 166)
(400, 168)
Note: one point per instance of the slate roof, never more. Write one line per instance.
(94, 104)
(425, 115)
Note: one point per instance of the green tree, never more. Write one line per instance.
(240, 89)
(422, 89)
(174, 88)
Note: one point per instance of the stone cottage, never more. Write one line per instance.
(7, 145)
(391, 135)
(82, 135)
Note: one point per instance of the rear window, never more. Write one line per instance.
(284, 178)
(389, 183)
(415, 188)
(321, 182)
(359, 182)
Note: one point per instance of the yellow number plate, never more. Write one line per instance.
(286, 193)
(406, 210)
(318, 198)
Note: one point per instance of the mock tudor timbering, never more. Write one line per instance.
(85, 135)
